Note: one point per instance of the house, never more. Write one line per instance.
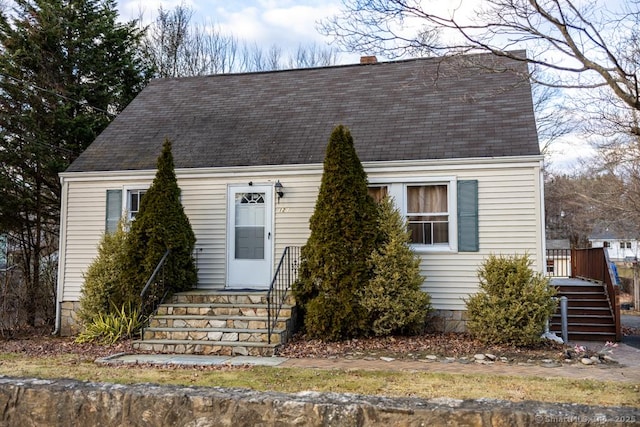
(621, 245)
(452, 139)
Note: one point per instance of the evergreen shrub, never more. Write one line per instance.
(104, 279)
(343, 234)
(513, 303)
(392, 299)
(160, 224)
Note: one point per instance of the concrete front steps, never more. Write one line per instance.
(226, 323)
(589, 313)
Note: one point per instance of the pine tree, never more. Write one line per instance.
(343, 235)
(66, 68)
(160, 224)
(392, 299)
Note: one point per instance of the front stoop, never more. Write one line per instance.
(208, 322)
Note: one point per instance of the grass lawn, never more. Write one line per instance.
(291, 380)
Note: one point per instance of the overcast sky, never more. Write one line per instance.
(287, 24)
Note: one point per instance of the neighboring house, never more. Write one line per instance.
(620, 245)
(453, 140)
(558, 258)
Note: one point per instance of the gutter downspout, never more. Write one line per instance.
(543, 221)
(62, 244)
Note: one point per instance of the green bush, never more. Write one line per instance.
(104, 279)
(392, 299)
(343, 235)
(513, 303)
(109, 328)
(160, 224)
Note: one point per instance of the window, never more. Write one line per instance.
(378, 192)
(134, 198)
(428, 214)
(606, 244)
(114, 211)
(628, 245)
(551, 266)
(441, 215)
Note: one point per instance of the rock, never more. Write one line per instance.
(551, 336)
(610, 359)
(431, 357)
(551, 364)
(504, 359)
(479, 357)
(491, 357)
(547, 361)
(586, 361)
(387, 359)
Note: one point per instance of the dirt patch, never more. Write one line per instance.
(417, 347)
(38, 344)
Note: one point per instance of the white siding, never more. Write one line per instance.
(509, 219)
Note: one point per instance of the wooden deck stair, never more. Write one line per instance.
(216, 323)
(590, 317)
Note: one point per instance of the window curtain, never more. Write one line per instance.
(427, 199)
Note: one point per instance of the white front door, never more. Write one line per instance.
(250, 236)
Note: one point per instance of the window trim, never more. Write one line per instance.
(397, 189)
(126, 190)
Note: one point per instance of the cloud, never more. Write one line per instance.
(267, 25)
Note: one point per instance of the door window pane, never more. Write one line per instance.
(249, 226)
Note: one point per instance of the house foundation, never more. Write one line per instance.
(69, 320)
(449, 321)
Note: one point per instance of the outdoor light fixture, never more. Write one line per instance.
(279, 189)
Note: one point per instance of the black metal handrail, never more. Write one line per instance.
(285, 276)
(156, 300)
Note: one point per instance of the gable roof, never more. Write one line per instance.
(434, 108)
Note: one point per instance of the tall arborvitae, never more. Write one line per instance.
(161, 224)
(343, 235)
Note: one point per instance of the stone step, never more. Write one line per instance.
(201, 296)
(219, 309)
(223, 348)
(214, 334)
(201, 321)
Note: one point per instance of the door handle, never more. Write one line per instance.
(269, 236)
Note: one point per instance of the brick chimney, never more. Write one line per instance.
(368, 59)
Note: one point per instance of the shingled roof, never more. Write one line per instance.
(431, 108)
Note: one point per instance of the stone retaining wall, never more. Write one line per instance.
(32, 402)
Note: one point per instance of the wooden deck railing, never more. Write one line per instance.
(593, 264)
